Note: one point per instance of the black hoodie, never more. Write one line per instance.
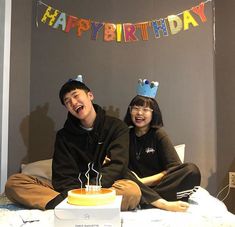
(75, 147)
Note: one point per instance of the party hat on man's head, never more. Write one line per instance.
(146, 88)
(79, 78)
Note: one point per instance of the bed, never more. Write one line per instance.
(204, 211)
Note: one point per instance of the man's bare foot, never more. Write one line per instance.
(171, 205)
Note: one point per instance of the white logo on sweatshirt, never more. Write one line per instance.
(149, 150)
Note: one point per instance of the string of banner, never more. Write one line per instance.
(126, 32)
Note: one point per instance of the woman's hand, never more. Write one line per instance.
(151, 180)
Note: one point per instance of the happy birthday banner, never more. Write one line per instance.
(126, 32)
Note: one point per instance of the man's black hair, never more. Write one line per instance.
(70, 86)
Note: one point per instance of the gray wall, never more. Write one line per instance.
(19, 107)
(2, 24)
(182, 63)
(5, 29)
(43, 58)
(225, 95)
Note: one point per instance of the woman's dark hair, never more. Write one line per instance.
(138, 100)
(70, 86)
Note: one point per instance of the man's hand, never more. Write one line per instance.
(106, 160)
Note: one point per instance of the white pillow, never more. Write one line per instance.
(43, 168)
(180, 149)
(39, 169)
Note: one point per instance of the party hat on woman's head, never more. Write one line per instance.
(146, 88)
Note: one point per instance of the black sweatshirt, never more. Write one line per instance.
(75, 147)
(152, 153)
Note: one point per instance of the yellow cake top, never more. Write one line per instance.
(83, 197)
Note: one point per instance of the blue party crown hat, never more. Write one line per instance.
(79, 78)
(146, 88)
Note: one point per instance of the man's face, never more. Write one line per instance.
(79, 103)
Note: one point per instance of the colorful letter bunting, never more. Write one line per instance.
(127, 32)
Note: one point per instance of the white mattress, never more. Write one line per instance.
(204, 211)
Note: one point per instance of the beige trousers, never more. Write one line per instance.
(33, 192)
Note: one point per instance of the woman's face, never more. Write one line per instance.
(141, 116)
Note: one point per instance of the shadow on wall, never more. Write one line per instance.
(41, 137)
(112, 112)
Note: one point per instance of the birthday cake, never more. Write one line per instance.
(84, 197)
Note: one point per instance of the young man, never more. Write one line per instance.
(89, 137)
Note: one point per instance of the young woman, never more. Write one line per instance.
(165, 182)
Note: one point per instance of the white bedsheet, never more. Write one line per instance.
(204, 211)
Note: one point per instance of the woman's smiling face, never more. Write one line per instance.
(141, 116)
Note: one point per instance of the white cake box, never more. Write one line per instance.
(67, 215)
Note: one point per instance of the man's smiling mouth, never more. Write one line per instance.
(78, 109)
